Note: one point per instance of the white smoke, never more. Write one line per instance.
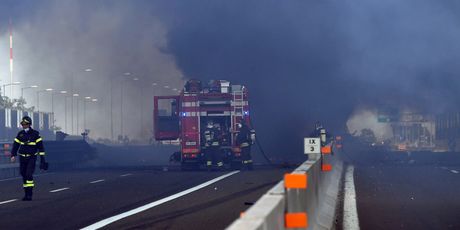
(54, 46)
(368, 119)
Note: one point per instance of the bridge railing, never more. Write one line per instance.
(7, 169)
(306, 199)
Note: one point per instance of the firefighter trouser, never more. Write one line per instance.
(27, 169)
(246, 156)
(213, 156)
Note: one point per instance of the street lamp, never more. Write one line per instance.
(74, 96)
(87, 99)
(14, 83)
(52, 106)
(121, 107)
(27, 87)
(38, 97)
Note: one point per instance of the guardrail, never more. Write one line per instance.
(305, 199)
(7, 169)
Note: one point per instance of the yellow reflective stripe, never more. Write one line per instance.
(31, 143)
(209, 163)
(25, 155)
(18, 141)
(41, 153)
(38, 140)
(29, 183)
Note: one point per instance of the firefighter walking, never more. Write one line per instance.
(245, 138)
(28, 145)
(213, 138)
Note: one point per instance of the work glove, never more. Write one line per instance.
(44, 165)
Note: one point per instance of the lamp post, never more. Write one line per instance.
(52, 106)
(27, 87)
(121, 106)
(73, 96)
(38, 97)
(87, 99)
(84, 112)
(14, 83)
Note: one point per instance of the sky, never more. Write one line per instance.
(302, 61)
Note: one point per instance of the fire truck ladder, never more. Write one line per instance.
(238, 103)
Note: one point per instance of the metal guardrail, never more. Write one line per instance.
(7, 169)
(303, 206)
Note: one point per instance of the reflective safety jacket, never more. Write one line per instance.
(28, 144)
(213, 137)
(245, 137)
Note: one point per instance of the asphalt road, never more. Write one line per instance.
(81, 198)
(407, 191)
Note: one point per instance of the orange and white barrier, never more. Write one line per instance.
(305, 199)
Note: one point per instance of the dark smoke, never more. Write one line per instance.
(307, 61)
(303, 61)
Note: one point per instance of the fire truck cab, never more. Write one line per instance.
(184, 118)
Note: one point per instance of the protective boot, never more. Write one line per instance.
(27, 194)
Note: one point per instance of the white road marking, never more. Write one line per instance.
(58, 190)
(128, 174)
(8, 201)
(96, 181)
(112, 219)
(350, 211)
(454, 171)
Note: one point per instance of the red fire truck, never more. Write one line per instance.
(184, 118)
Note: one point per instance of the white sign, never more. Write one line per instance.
(312, 145)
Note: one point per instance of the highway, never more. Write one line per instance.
(79, 198)
(399, 190)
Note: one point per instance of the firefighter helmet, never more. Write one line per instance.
(26, 120)
(210, 124)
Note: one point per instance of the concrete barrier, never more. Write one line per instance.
(318, 200)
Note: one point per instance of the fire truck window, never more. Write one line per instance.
(167, 108)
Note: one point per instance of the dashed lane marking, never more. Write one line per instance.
(8, 201)
(112, 219)
(350, 211)
(58, 190)
(454, 171)
(96, 181)
(127, 174)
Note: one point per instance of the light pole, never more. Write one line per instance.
(84, 112)
(27, 87)
(73, 96)
(52, 105)
(121, 106)
(14, 83)
(38, 97)
(87, 99)
(111, 110)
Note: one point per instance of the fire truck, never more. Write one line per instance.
(184, 118)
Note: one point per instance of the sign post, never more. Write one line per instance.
(312, 147)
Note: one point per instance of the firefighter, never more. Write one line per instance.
(212, 145)
(28, 144)
(246, 138)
